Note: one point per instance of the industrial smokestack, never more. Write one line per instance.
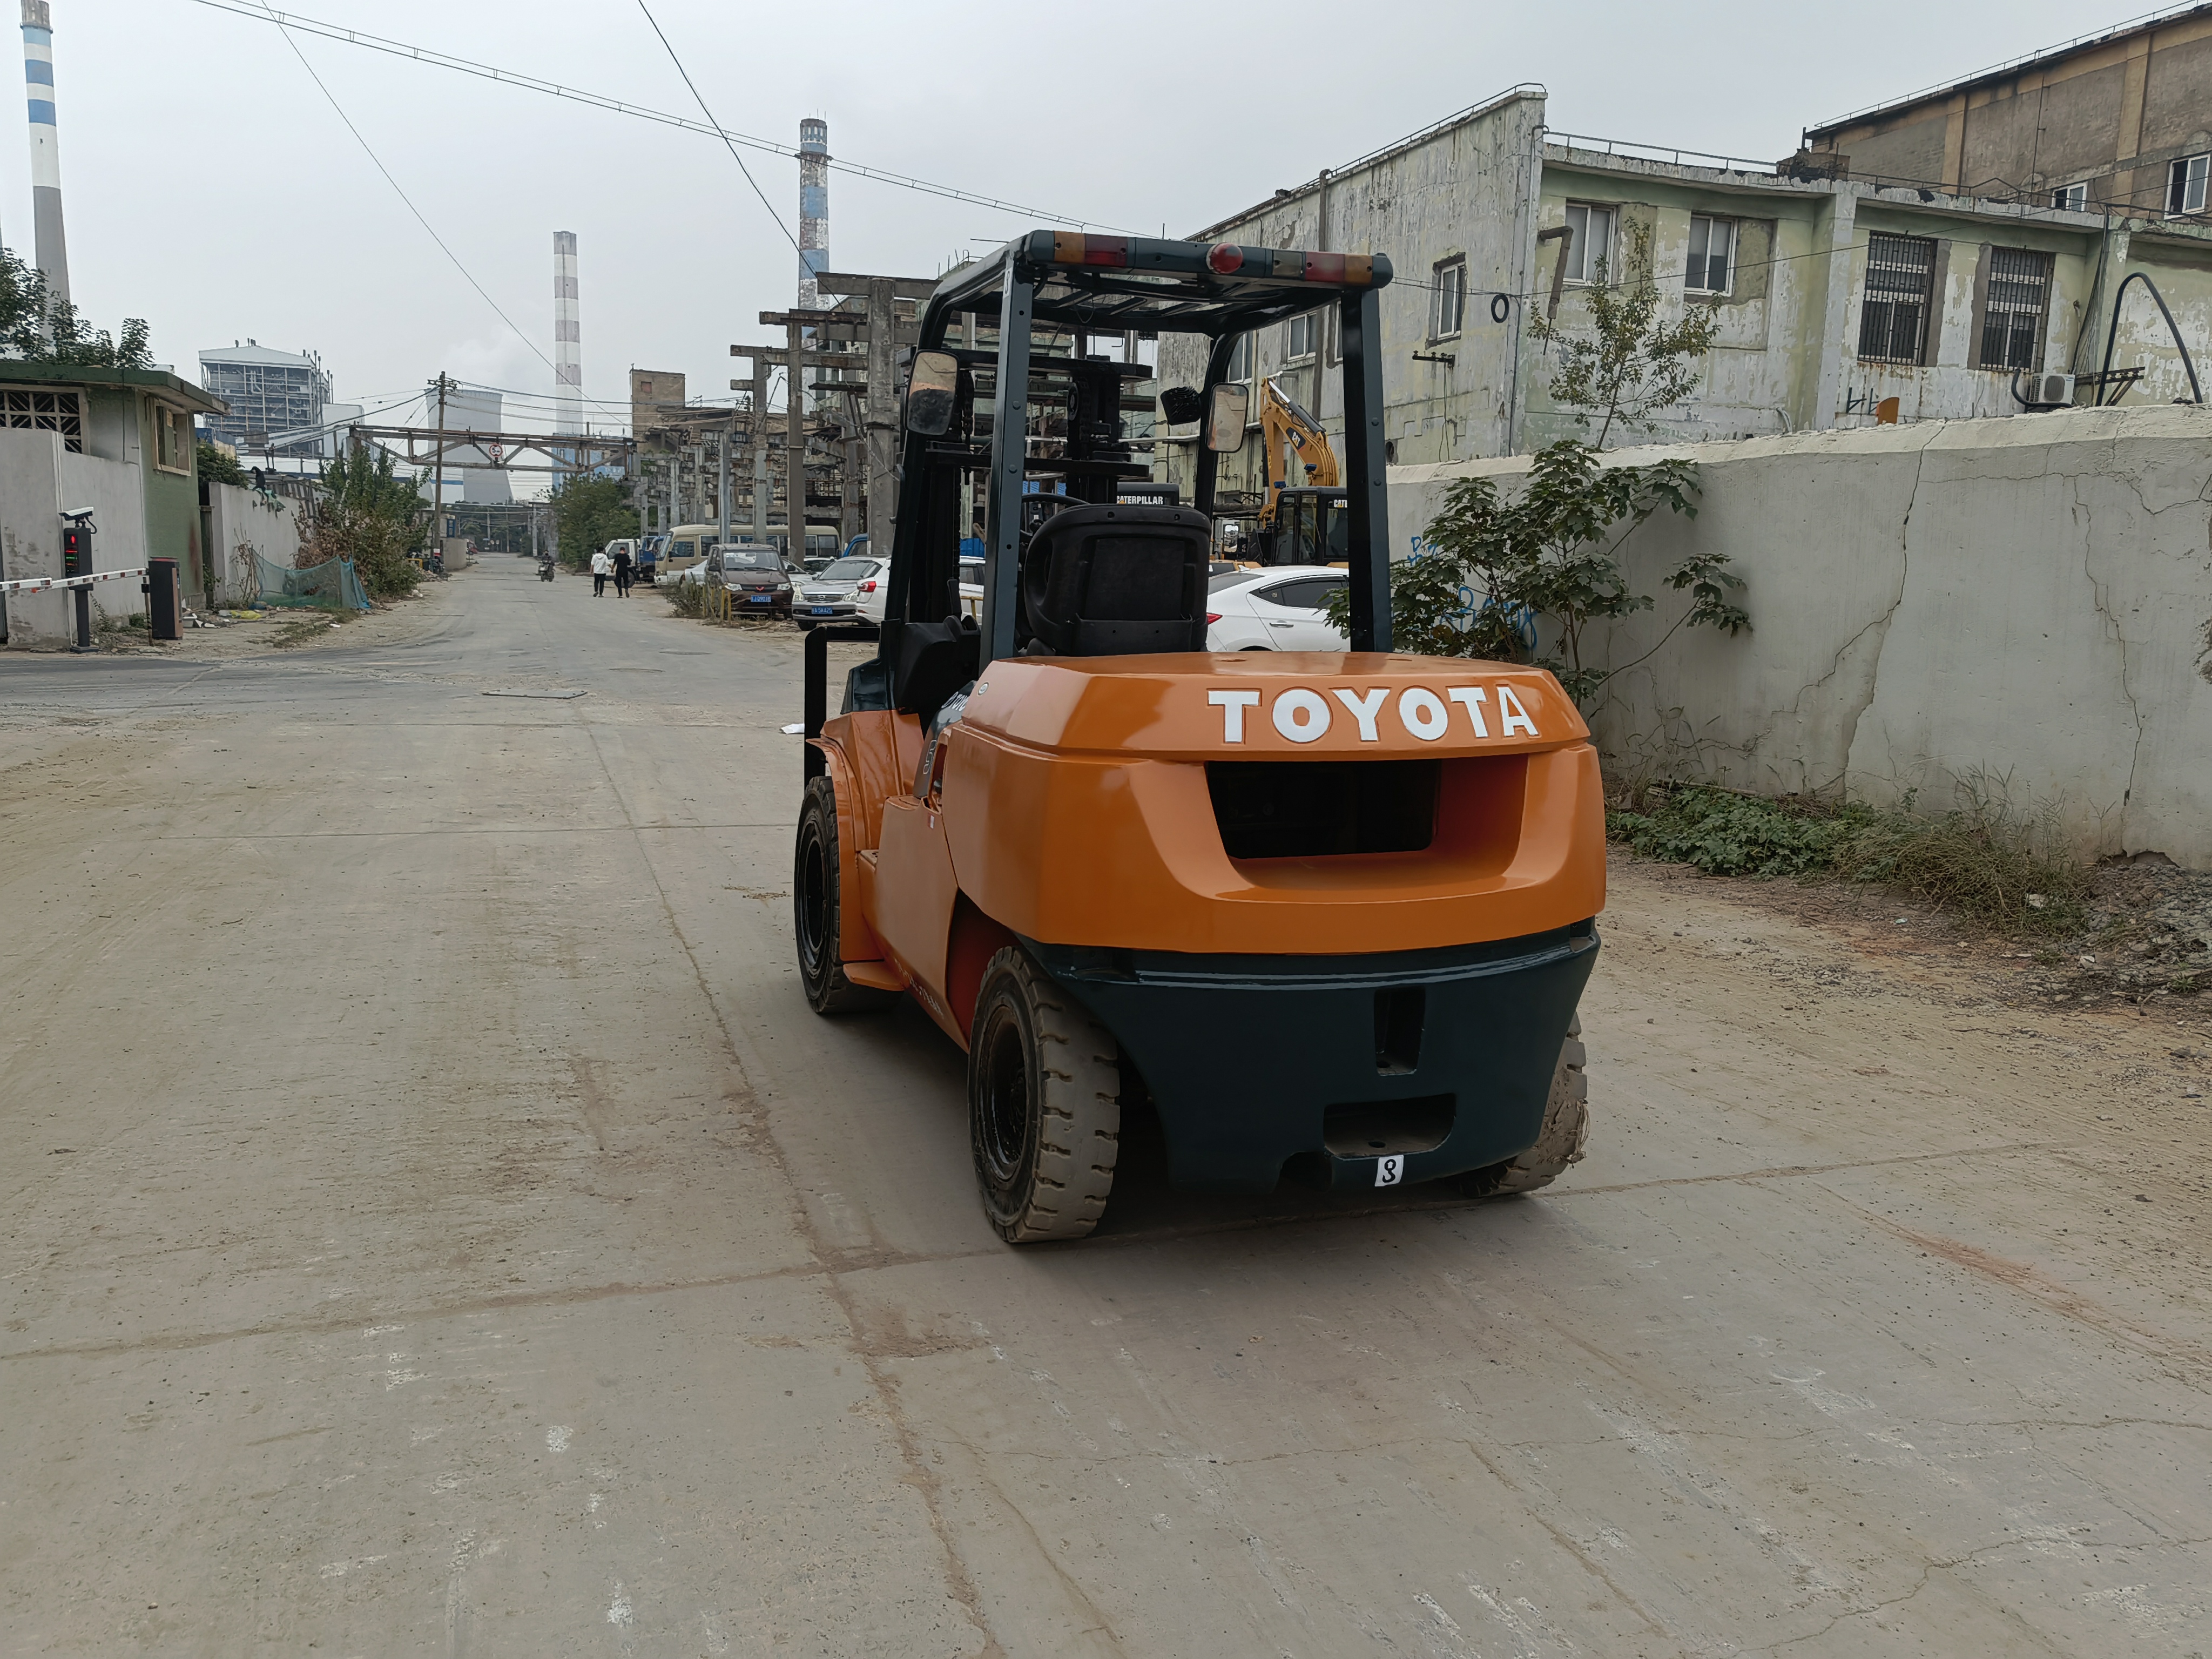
(46, 147)
(813, 209)
(567, 336)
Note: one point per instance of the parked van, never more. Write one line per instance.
(686, 545)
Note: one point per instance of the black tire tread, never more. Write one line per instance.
(835, 994)
(1080, 1113)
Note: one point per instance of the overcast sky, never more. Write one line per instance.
(210, 188)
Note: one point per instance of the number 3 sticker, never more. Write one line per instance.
(1390, 1171)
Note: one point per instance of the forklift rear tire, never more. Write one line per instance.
(1558, 1143)
(1044, 1105)
(817, 908)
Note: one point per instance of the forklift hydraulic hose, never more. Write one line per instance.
(2195, 391)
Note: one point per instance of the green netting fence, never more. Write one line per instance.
(329, 583)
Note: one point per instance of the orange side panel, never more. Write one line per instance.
(881, 748)
(914, 890)
(856, 943)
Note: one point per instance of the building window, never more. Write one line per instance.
(1450, 308)
(45, 411)
(2074, 198)
(172, 440)
(1893, 322)
(1298, 336)
(1712, 254)
(1240, 359)
(2185, 184)
(1590, 249)
(2012, 313)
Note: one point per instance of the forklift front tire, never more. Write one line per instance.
(817, 908)
(1044, 1105)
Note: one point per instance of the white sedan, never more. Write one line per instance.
(1277, 609)
(847, 590)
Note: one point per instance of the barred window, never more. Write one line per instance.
(1590, 250)
(2185, 184)
(1712, 247)
(1894, 319)
(1450, 309)
(2012, 313)
(47, 412)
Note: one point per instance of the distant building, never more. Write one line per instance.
(279, 399)
(472, 473)
(2119, 120)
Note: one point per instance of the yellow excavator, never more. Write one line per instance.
(1303, 518)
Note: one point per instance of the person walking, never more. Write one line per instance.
(622, 571)
(601, 566)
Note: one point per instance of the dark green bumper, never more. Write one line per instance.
(1344, 1071)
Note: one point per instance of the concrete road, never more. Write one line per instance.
(433, 1224)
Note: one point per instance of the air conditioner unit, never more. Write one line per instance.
(2049, 390)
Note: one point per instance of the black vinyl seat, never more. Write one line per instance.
(1102, 581)
(934, 660)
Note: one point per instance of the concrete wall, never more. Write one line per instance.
(38, 478)
(240, 522)
(2024, 598)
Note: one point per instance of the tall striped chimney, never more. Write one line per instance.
(813, 209)
(568, 334)
(46, 147)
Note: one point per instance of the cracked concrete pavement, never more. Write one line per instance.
(435, 1225)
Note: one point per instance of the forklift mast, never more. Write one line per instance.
(1049, 283)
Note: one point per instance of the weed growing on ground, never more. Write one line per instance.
(1982, 860)
(687, 599)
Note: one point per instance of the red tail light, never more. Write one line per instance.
(1212, 618)
(868, 587)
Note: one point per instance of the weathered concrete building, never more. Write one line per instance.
(1835, 294)
(2120, 119)
(116, 441)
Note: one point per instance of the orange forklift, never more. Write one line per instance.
(1329, 914)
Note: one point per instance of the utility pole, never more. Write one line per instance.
(761, 487)
(438, 510)
(794, 441)
(723, 479)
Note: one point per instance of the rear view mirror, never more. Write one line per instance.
(1224, 418)
(931, 391)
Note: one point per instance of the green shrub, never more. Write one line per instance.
(1982, 860)
(1725, 833)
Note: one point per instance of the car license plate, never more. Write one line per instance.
(761, 599)
(825, 609)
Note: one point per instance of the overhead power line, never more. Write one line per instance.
(620, 106)
(283, 27)
(719, 128)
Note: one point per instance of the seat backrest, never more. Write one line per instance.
(935, 659)
(1102, 581)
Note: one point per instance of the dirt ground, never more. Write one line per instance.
(432, 1222)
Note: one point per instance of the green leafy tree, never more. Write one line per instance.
(1494, 571)
(588, 514)
(366, 512)
(1632, 362)
(218, 465)
(37, 326)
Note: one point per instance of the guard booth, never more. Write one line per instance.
(164, 600)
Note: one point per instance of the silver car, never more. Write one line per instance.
(847, 590)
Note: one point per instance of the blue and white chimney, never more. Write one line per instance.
(813, 209)
(52, 247)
